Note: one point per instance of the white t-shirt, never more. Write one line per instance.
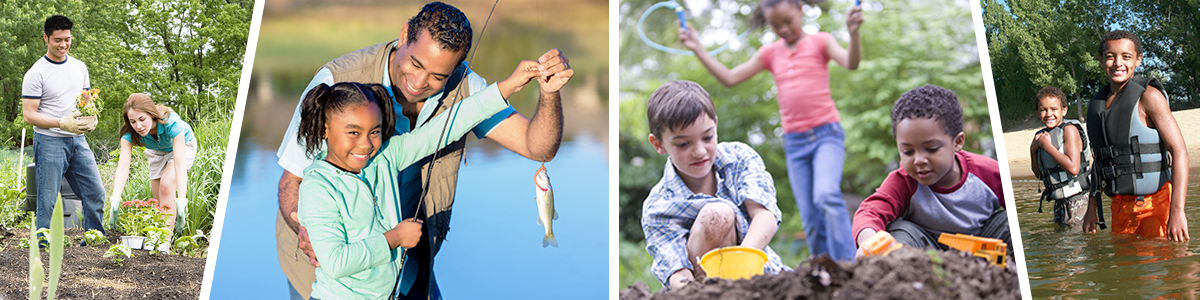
(56, 84)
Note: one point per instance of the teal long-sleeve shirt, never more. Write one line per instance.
(346, 214)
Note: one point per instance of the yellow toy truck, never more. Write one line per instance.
(991, 250)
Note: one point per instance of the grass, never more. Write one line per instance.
(12, 187)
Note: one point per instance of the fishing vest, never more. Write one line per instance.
(1058, 182)
(367, 66)
(1131, 158)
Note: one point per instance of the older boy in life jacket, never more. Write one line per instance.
(1061, 158)
(1139, 152)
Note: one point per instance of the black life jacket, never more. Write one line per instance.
(1130, 158)
(1058, 182)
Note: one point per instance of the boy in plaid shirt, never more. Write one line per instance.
(711, 195)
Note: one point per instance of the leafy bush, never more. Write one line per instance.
(94, 237)
(116, 252)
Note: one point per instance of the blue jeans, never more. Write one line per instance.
(70, 156)
(814, 164)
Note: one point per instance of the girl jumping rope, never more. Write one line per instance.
(814, 141)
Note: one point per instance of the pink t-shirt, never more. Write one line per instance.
(802, 77)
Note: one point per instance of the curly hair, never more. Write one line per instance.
(55, 23)
(1050, 91)
(1116, 35)
(323, 100)
(758, 18)
(930, 101)
(141, 102)
(676, 105)
(446, 24)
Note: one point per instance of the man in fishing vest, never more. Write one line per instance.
(425, 72)
(1138, 149)
(1061, 158)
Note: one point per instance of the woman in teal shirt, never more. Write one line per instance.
(170, 149)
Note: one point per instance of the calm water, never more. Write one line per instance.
(1063, 262)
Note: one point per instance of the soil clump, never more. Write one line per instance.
(907, 273)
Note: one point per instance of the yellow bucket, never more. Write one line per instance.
(735, 262)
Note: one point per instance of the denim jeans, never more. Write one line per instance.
(70, 156)
(814, 164)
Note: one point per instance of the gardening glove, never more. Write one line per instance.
(114, 208)
(181, 205)
(72, 125)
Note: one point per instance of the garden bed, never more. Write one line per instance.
(87, 275)
(907, 273)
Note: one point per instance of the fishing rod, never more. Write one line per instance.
(671, 4)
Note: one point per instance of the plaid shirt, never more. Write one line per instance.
(671, 208)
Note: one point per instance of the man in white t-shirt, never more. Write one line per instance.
(424, 71)
(59, 147)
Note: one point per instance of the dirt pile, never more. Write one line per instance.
(87, 275)
(907, 273)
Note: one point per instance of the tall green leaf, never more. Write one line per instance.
(37, 272)
(56, 248)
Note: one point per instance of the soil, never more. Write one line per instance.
(87, 275)
(907, 273)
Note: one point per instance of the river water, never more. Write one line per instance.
(1063, 262)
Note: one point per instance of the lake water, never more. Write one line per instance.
(1063, 262)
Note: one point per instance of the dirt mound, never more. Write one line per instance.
(907, 273)
(87, 275)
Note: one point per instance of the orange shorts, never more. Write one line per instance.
(1147, 218)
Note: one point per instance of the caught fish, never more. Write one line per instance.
(545, 203)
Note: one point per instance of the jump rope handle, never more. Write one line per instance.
(679, 13)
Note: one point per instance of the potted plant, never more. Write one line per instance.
(136, 216)
(89, 107)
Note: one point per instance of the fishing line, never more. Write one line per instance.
(679, 13)
(442, 137)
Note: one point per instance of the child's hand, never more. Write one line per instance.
(1042, 140)
(524, 73)
(1089, 219)
(689, 40)
(410, 232)
(1177, 229)
(854, 19)
(555, 70)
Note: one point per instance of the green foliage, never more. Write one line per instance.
(36, 270)
(94, 237)
(44, 237)
(1034, 44)
(156, 236)
(116, 252)
(12, 187)
(906, 45)
(56, 249)
(137, 217)
(185, 54)
(191, 245)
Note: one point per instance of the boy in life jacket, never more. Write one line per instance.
(1061, 158)
(1138, 150)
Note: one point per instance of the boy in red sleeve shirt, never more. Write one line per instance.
(939, 188)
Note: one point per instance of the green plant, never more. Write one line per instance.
(36, 269)
(136, 216)
(156, 236)
(191, 245)
(94, 237)
(44, 236)
(116, 251)
(23, 243)
(90, 107)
